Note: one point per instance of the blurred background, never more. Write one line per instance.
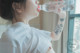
(70, 39)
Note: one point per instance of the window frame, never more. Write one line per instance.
(71, 17)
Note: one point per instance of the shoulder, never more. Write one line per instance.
(7, 35)
(13, 31)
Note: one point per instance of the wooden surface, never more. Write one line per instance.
(41, 16)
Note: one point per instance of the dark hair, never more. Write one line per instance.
(6, 10)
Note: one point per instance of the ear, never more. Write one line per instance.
(17, 7)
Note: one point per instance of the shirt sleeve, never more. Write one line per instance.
(43, 39)
(44, 33)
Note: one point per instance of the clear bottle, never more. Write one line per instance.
(53, 6)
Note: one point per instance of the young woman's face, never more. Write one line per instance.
(31, 9)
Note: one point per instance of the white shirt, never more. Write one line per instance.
(21, 38)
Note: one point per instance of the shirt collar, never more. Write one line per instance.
(21, 24)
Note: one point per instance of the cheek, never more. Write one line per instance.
(32, 5)
(31, 8)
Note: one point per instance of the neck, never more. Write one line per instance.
(15, 20)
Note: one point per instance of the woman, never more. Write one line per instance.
(20, 37)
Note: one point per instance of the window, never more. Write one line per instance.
(77, 10)
(74, 29)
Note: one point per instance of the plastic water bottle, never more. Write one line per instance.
(53, 6)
